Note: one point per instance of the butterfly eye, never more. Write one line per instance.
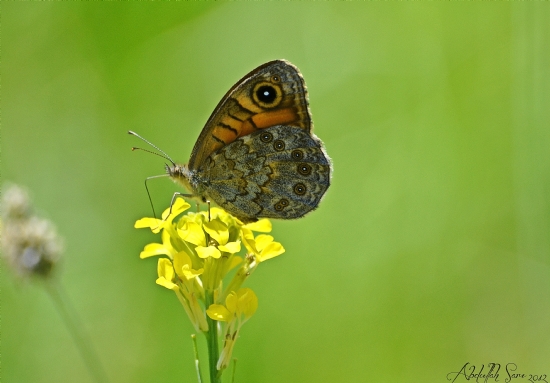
(279, 145)
(304, 169)
(267, 95)
(300, 189)
(297, 155)
(266, 137)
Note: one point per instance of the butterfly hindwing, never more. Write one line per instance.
(277, 172)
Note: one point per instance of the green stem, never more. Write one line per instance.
(197, 365)
(83, 343)
(212, 340)
(234, 369)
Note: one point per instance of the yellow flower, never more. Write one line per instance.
(199, 251)
(239, 307)
(179, 206)
(184, 267)
(166, 274)
(217, 230)
(164, 248)
(262, 246)
(192, 232)
(263, 226)
(186, 292)
(210, 251)
(231, 247)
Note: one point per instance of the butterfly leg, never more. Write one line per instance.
(149, 194)
(199, 208)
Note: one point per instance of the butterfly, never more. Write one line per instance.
(257, 156)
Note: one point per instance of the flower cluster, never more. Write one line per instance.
(30, 244)
(202, 254)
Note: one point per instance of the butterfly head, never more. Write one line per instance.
(181, 174)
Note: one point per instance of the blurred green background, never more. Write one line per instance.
(430, 250)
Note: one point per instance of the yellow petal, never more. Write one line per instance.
(210, 251)
(179, 206)
(217, 212)
(181, 259)
(188, 273)
(248, 302)
(263, 225)
(165, 283)
(262, 241)
(219, 313)
(231, 302)
(192, 233)
(231, 247)
(165, 235)
(153, 249)
(144, 222)
(226, 218)
(270, 251)
(247, 233)
(248, 240)
(217, 230)
(154, 224)
(165, 269)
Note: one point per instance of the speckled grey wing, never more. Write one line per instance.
(278, 172)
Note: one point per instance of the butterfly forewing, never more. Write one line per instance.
(272, 94)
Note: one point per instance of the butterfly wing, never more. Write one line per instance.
(272, 94)
(278, 172)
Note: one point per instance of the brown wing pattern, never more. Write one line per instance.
(272, 94)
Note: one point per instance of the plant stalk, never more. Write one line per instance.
(212, 340)
(73, 324)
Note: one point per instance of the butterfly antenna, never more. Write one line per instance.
(155, 153)
(161, 154)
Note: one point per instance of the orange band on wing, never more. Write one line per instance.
(275, 117)
(247, 128)
(229, 129)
